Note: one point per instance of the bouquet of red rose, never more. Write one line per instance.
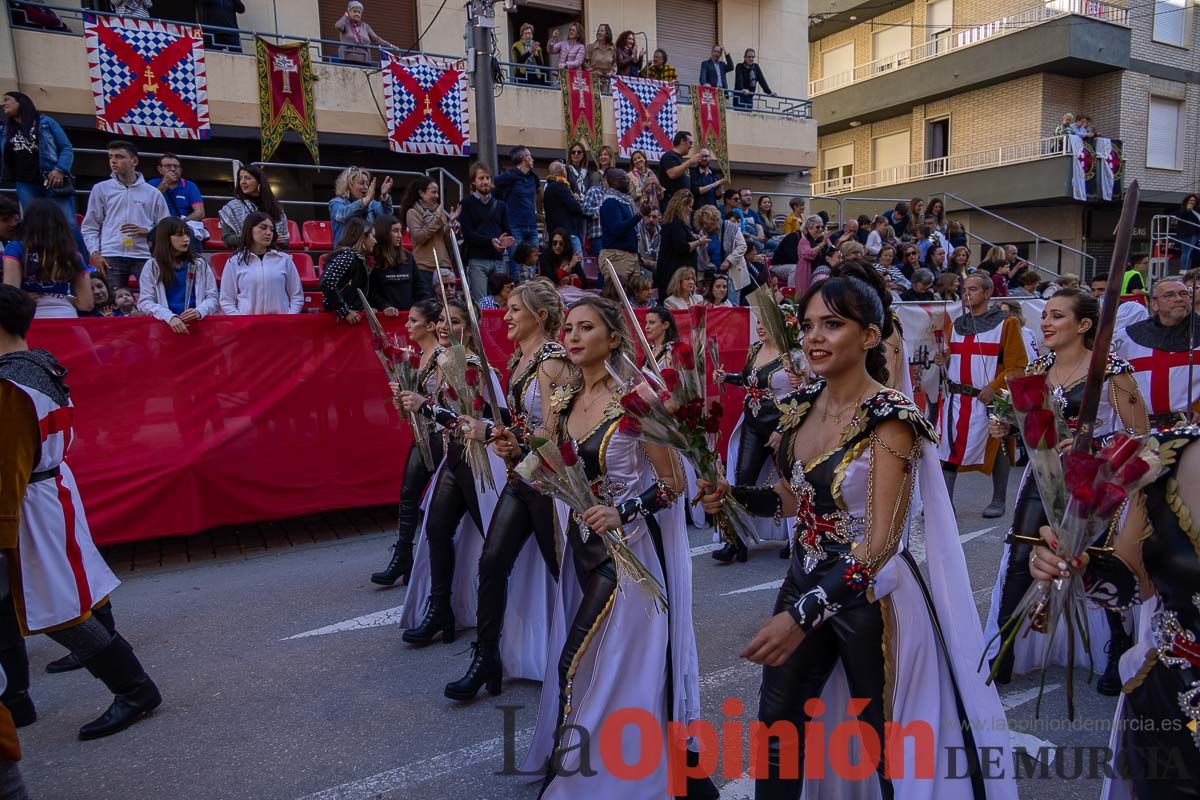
(1081, 493)
(675, 414)
(781, 321)
(463, 388)
(556, 472)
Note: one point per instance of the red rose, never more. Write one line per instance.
(414, 360)
(477, 403)
(1080, 469)
(471, 376)
(712, 424)
(1119, 450)
(671, 378)
(684, 356)
(635, 404)
(1132, 471)
(715, 409)
(1109, 498)
(567, 451)
(1029, 392)
(1085, 498)
(630, 426)
(389, 352)
(697, 315)
(1040, 430)
(450, 393)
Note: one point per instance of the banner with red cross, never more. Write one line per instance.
(708, 106)
(646, 115)
(582, 117)
(148, 77)
(426, 101)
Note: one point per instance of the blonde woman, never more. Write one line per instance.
(354, 196)
(678, 243)
(681, 291)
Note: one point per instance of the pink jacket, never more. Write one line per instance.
(807, 254)
(570, 54)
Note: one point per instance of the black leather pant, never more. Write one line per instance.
(520, 512)
(416, 480)
(1159, 755)
(453, 496)
(855, 637)
(752, 450)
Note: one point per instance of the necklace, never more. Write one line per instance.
(1066, 383)
(586, 405)
(826, 414)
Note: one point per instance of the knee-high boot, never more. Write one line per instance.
(136, 695)
(1119, 641)
(1000, 472)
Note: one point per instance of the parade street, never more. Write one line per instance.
(284, 677)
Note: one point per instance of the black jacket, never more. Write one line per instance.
(345, 273)
(562, 209)
(749, 77)
(481, 222)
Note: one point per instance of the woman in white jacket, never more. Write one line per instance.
(176, 286)
(260, 279)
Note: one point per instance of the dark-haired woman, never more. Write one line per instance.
(347, 272)
(538, 367)
(613, 649)
(421, 330)
(561, 263)
(1069, 323)
(260, 279)
(176, 286)
(600, 56)
(855, 621)
(629, 60)
(252, 193)
(46, 263)
(748, 460)
(37, 156)
(443, 584)
(391, 279)
(662, 333)
(429, 227)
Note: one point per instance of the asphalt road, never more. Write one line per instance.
(255, 710)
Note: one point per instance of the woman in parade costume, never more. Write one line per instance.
(854, 617)
(662, 333)
(538, 368)
(748, 460)
(1068, 328)
(1155, 738)
(445, 561)
(421, 328)
(611, 648)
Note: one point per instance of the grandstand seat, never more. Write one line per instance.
(217, 262)
(321, 262)
(313, 302)
(304, 266)
(591, 268)
(318, 234)
(295, 240)
(213, 226)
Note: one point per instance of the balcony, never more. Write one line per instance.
(768, 134)
(1038, 169)
(1080, 38)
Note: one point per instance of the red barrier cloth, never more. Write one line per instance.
(245, 418)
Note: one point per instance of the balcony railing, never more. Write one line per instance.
(949, 43)
(1033, 150)
(320, 49)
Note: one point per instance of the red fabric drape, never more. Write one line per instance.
(246, 418)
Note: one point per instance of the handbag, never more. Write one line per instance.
(64, 189)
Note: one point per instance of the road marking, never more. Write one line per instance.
(377, 619)
(759, 588)
(1031, 744)
(1011, 700)
(967, 537)
(741, 789)
(706, 548)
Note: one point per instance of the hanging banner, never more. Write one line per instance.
(708, 108)
(1111, 164)
(148, 77)
(426, 103)
(1083, 166)
(583, 120)
(646, 115)
(285, 95)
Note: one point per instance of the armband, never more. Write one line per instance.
(1109, 582)
(651, 501)
(761, 501)
(841, 584)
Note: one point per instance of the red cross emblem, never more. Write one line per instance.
(965, 349)
(427, 105)
(1114, 161)
(159, 66)
(1159, 364)
(645, 116)
(1087, 160)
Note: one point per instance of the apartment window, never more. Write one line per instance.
(838, 61)
(1171, 22)
(1164, 132)
(891, 46)
(939, 20)
(838, 165)
(890, 155)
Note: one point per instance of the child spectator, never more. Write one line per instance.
(259, 279)
(525, 262)
(176, 286)
(499, 286)
(125, 303)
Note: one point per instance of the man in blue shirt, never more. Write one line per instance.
(183, 197)
(618, 222)
(518, 188)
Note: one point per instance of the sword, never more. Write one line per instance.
(633, 320)
(473, 319)
(1094, 382)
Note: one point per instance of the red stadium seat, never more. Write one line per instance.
(213, 225)
(217, 262)
(318, 234)
(295, 240)
(304, 265)
(321, 262)
(314, 302)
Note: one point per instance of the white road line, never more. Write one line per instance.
(705, 548)
(1031, 744)
(967, 537)
(377, 619)
(760, 587)
(1011, 700)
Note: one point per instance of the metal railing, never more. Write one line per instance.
(1164, 236)
(525, 75)
(949, 43)
(1032, 150)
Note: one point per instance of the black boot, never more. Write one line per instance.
(399, 567)
(439, 618)
(16, 693)
(136, 695)
(485, 669)
(785, 552)
(69, 662)
(730, 551)
(1110, 683)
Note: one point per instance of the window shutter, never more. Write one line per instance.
(687, 30)
(1170, 21)
(1162, 133)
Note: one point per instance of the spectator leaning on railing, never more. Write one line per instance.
(526, 50)
(45, 262)
(222, 14)
(358, 37)
(658, 69)
(177, 286)
(747, 78)
(252, 193)
(346, 271)
(260, 279)
(120, 213)
(572, 51)
(354, 196)
(713, 72)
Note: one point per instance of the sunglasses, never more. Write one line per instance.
(557, 243)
